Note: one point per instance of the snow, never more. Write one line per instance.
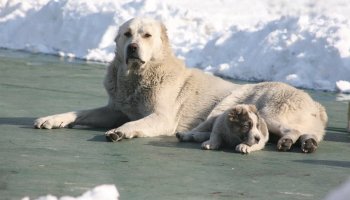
(340, 193)
(302, 42)
(102, 192)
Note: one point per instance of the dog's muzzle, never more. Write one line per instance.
(251, 139)
(132, 55)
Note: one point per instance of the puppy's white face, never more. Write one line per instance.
(139, 41)
(245, 122)
(254, 135)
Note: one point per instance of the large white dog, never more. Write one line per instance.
(152, 93)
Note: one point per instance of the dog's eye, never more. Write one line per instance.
(127, 34)
(147, 35)
(246, 126)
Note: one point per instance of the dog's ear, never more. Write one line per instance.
(165, 40)
(164, 34)
(234, 113)
(116, 38)
(253, 109)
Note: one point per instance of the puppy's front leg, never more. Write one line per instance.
(213, 143)
(154, 124)
(244, 148)
(200, 133)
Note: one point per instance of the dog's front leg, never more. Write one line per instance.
(99, 117)
(213, 143)
(244, 148)
(153, 125)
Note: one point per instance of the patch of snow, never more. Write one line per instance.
(343, 86)
(102, 192)
(340, 193)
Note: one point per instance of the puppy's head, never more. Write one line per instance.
(139, 41)
(244, 121)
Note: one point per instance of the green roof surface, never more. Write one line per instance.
(70, 161)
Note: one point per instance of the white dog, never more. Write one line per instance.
(152, 93)
(240, 127)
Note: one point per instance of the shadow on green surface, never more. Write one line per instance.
(337, 135)
(334, 163)
(172, 142)
(26, 122)
(98, 138)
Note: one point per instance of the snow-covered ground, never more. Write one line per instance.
(101, 192)
(302, 42)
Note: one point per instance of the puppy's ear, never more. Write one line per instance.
(235, 113)
(253, 109)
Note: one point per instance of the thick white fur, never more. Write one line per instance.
(161, 96)
(239, 127)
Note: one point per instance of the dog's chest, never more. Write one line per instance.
(136, 96)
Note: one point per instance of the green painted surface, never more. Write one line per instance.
(70, 161)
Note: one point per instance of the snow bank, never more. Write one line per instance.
(303, 43)
(102, 192)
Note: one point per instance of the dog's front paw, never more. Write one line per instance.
(114, 135)
(243, 148)
(53, 121)
(210, 146)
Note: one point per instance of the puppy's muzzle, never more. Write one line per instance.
(132, 54)
(251, 139)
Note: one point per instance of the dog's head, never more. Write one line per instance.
(244, 121)
(141, 40)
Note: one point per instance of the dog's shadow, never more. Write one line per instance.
(28, 123)
(331, 163)
(22, 122)
(172, 142)
(334, 134)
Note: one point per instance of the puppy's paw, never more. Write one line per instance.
(54, 121)
(243, 148)
(179, 136)
(309, 145)
(284, 144)
(210, 146)
(184, 137)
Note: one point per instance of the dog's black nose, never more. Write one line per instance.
(132, 48)
(257, 138)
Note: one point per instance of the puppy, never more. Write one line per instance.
(240, 127)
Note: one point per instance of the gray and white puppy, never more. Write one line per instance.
(240, 127)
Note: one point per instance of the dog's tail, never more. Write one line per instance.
(322, 113)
